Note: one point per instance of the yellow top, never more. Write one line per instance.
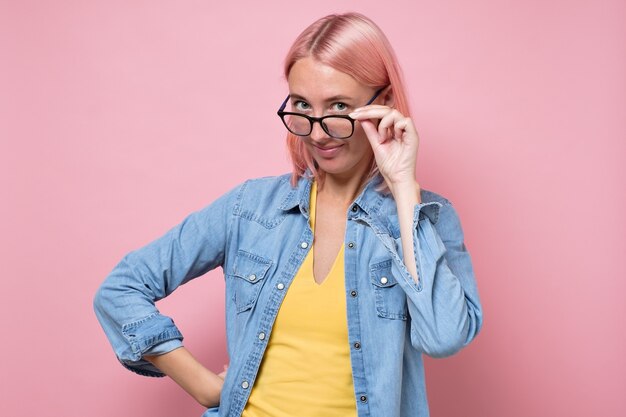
(306, 368)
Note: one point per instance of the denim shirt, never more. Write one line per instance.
(259, 234)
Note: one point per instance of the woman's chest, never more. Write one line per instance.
(262, 262)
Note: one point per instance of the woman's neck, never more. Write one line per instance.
(341, 190)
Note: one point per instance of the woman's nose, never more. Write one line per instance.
(317, 133)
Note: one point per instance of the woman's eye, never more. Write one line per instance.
(301, 105)
(340, 107)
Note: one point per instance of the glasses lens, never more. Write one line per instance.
(297, 125)
(338, 127)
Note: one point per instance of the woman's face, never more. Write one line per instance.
(319, 90)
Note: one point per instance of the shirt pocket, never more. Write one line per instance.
(249, 272)
(390, 297)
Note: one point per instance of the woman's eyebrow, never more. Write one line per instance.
(297, 96)
(338, 97)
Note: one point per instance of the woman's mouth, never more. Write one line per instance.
(327, 151)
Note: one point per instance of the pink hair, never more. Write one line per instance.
(355, 45)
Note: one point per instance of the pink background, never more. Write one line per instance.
(117, 118)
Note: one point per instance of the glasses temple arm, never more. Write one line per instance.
(371, 99)
(282, 106)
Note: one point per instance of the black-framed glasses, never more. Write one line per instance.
(336, 126)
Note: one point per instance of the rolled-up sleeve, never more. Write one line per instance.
(125, 302)
(444, 306)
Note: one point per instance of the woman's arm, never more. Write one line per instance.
(125, 302)
(436, 271)
(180, 365)
(395, 142)
(407, 196)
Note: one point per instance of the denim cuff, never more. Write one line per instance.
(427, 210)
(146, 335)
(163, 348)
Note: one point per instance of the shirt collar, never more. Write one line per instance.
(370, 200)
(299, 196)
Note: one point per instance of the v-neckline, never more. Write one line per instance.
(312, 219)
(332, 267)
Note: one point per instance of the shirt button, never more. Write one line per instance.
(280, 286)
(252, 277)
(304, 245)
(353, 293)
(355, 208)
(351, 245)
(363, 398)
(261, 336)
(245, 385)
(384, 280)
(357, 345)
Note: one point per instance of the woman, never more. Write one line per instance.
(338, 276)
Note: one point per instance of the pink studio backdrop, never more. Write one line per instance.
(117, 118)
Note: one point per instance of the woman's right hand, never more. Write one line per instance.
(203, 385)
(223, 373)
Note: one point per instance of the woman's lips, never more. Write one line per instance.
(327, 151)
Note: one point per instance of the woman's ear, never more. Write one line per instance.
(388, 97)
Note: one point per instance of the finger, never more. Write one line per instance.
(400, 127)
(410, 134)
(371, 132)
(372, 107)
(224, 372)
(373, 111)
(410, 128)
(388, 124)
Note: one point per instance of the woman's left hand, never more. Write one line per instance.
(394, 142)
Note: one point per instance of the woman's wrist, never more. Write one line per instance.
(203, 385)
(406, 192)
